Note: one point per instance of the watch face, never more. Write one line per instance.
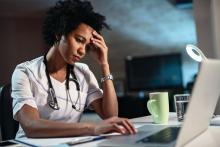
(108, 77)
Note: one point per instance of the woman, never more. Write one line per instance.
(50, 92)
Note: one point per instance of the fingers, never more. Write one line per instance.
(98, 40)
(109, 128)
(98, 43)
(122, 125)
(97, 36)
(129, 127)
(115, 124)
(99, 48)
(119, 129)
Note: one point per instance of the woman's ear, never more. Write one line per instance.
(57, 38)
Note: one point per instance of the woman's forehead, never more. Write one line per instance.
(84, 30)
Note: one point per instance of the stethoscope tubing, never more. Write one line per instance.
(52, 100)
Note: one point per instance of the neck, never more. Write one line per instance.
(55, 62)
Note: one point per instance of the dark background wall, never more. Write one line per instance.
(20, 40)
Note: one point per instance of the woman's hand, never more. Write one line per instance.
(115, 124)
(99, 48)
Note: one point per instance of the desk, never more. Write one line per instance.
(138, 122)
(149, 120)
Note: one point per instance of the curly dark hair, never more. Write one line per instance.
(66, 16)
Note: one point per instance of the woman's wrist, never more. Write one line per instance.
(105, 69)
(108, 77)
(95, 129)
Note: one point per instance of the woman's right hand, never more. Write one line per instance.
(115, 124)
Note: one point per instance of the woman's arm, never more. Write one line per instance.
(34, 126)
(108, 105)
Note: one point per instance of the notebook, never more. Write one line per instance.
(200, 110)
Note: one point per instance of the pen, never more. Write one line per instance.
(24, 143)
(84, 140)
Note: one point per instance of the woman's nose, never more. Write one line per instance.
(82, 50)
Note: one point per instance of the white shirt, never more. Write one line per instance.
(30, 86)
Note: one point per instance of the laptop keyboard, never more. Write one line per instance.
(166, 135)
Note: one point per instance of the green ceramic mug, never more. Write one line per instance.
(158, 106)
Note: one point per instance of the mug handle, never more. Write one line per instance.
(151, 107)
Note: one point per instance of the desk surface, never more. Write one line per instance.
(149, 120)
(137, 122)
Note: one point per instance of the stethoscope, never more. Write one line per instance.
(52, 99)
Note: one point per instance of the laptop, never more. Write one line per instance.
(200, 110)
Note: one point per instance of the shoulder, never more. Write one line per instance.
(32, 64)
(28, 68)
(83, 71)
(82, 67)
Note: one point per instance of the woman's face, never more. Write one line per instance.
(73, 46)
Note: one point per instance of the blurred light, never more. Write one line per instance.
(195, 53)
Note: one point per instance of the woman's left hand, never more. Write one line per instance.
(100, 49)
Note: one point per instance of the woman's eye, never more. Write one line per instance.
(79, 40)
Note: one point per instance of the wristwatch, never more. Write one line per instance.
(108, 77)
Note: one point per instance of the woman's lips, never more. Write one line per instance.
(76, 58)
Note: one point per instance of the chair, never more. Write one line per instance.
(9, 126)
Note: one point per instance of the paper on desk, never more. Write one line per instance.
(110, 134)
(49, 141)
(57, 141)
